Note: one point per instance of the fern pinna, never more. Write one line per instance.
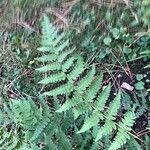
(66, 74)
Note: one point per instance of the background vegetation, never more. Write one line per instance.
(98, 98)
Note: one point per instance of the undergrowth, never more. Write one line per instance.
(61, 81)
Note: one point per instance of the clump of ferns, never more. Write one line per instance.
(30, 125)
(69, 76)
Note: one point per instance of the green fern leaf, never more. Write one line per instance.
(102, 98)
(26, 146)
(44, 49)
(45, 107)
(105, 130)
(57, 77)
(63, 141)
(49, 67)
(77, 99)
(39, 128)
(63, 55)
(62, 47)
(128, 121)
(14, 144)
(22, 113)
(147, 141)
(132, 144)
(50, 144)
(46, 58)
(47, 39)
(46, 26)
(90, 122)
(68, 63)
(8, 140)
(86, 81)
(95, 146)
(122, 134)
(63, 89)
(58, 39)
(93, 88)
(120, 140)
(4, 136)
(79, 68)
(49, 33)
(114, 107)
(81, 109)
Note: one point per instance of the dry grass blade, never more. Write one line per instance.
(60, 16)
(112, 2)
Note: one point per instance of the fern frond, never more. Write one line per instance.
(50, 144)
(63, 89)
(78, 69)
(133, 144)
(58, 39)
(46, 26)
(44, 49)
(13, 144)
(147, 139)
(47, 58)
(31, 146)
(90, 122)
(102, 98)
(67, 64)
(22, 112)
(81, 109)
(45, 108)
(95, 146)
(47, 38)
(114, 107)
(120, 140)
(8, 140)
(49, 67)
(81, 92)
(106, 129)
(128, 121)
(56, 77)
(77, 99)
(122, 134)
(64, 141)
(86, 81)
(63, 55)
(39, 128)
(27, 115)
(62, 47)
(4, 136)
(93, 88)
(49, 32)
